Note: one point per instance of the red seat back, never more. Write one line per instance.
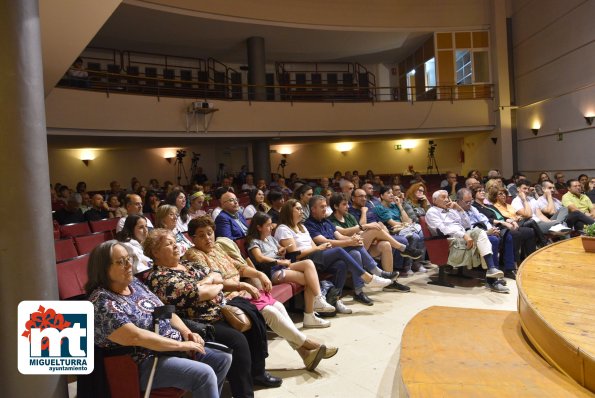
(86, 243)
(107, 224)
(76, 229)
(437, 247)
(64, 249)
(122, 378)
(72, 277)
(242, 246)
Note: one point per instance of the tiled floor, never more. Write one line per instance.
(369, 341)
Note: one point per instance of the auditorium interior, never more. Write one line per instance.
(312, 87)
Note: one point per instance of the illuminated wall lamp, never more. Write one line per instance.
(169, 159)
(344, 147)
(408, 145)
(589, 119)
(535, 131)
(86, 156)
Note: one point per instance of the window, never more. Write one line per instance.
(411, 85)
(463, 67)
(430, 73)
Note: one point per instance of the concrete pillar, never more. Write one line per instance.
(261, 160)
(257, 67)
(26, 238)
(501, 79)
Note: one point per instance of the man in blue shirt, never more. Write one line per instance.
(355, 256)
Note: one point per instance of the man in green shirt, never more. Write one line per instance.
(377, 241)
(575, 200)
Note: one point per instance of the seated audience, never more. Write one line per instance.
(177, 198)
(543, 176)
(390, 211)
(196, 292)
(446, 217)
(336, 178)
(276, 200)
(553, 208)
(167, 217)
(274, 313)
(591, 191)
(197, 200)
(115, 188)
(114, 208)
(527, 207)
(134, 205)
(81, 187)
(151, 202)
(86, 202)
(376, 240)
(77, 75)
(474, 174)
(377, 183)
(499, 238)
(71, 213)
(472, 183)
(218, 194)
(416, 198)
(269, 257)
(142, 192)
(512, 187)
(560, 183)
(98, 210)
(230, 223)
(303, 195)
(257, 203)
(200, 177)
(523, 237)
(509, 212)
(328, 193)
(285, 190)
(346, 188)
(132, 236)
(323, 231)
(575, 200)
(123, 317)
(249, 184)
(451, 184)
(584, 181)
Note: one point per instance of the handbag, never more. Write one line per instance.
(236, 318)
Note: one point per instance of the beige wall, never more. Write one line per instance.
(83, 111)
(351, 13)
(317, 160)
(554, 51)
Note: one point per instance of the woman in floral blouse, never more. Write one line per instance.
(196, 291)
(124, 317)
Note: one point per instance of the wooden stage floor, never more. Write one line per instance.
(557, 307)
(458, 352)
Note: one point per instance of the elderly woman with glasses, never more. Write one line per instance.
(196, 291)
(167, 217)
(124, 317)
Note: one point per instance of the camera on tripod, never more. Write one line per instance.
(431, 147)
(180, 154)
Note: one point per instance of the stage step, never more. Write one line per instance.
(458, 352)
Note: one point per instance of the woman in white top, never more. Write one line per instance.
(133, 235)
(177, 198)
(264, 248)
(257, 203)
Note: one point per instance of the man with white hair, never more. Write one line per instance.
(134, 205)
(448, 218)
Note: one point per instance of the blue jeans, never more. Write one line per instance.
(338, 261)
(398, 260)
(418, 243)
(203, 379)
(508, 253)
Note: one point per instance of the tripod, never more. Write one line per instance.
(180, 169)
(281, 166)
(194, 166)
(432, 162)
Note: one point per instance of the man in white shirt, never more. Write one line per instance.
(526, 206)
(134, 205)
(450, 219)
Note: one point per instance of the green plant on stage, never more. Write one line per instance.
(589, 230)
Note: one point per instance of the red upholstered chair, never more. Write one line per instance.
(86, 243)
(72, 276)
(242, 246)
(65, 249)
(437, 248)
(122, 378)
(107, 224)
(75, 229)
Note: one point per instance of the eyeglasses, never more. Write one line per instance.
(421, 190)
(232, 200)
(123, 262)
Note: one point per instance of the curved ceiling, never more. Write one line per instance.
(144, 29)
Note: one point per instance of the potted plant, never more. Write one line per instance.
(588, 238)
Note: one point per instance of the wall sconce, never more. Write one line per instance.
(408, 145)
(169, 160)
(535, 127)
(284, 151)
(535, 131)
(589, 119)
(344, 147)
(86, 156)
(169, 155)
(494, 140)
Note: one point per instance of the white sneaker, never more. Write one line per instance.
(429, 265)
(421, 269)
(378, 282)
(342, 309)
(559, 228)
(320, 305)
(312, 321)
